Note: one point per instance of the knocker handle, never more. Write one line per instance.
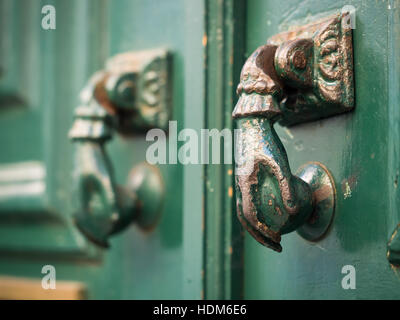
(294, 78)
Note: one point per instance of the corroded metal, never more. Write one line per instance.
(270, 200)
(103, 207)
(146, 182)
(300, 75)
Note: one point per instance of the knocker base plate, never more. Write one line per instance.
(316, 62)
(323, 188)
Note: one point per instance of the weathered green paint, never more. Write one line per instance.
(361, 150)
(223, 238)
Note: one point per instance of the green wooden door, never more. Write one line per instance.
(361, 151)
(42, 74)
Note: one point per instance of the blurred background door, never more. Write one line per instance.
(42, 74)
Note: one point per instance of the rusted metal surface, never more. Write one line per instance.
(326, 86)
(259, 89)
(300, 75)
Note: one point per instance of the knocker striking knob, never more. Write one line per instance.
(292, 79)
(113, 102)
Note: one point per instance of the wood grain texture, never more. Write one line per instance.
(13, 288)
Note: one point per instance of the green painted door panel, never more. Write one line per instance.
(361, 151)
(43, 72)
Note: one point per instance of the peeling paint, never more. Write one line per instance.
(347, 192)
